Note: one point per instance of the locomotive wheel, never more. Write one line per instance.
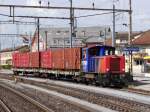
(105, 83)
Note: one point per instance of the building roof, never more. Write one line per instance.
(122, 36)
(18, 48)
(142, 39)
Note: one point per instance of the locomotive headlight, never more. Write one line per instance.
(107, 69)
(123, 69)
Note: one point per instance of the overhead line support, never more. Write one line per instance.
(65, 8)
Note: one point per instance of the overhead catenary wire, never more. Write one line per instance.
(93, 15)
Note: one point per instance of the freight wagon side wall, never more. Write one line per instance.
(26, 60)
(57, 59)
(66, 58)
(72, 58)
(46, 59)
(21, 60)
(15, 60)
(34, 60)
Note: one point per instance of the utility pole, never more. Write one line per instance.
(105, 36)
(0, 54)
(30, 42)
(71, 23)
(38, 33)
(130, 23)
(113, 36)
(130, 36)
(46, 40)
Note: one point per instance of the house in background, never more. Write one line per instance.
(121, 41)
(143, 42)
(60, 37)
(6, 54)
(140, 40)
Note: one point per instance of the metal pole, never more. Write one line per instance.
(10, 11)
(38, 33)
(130, 34)
(46, 40)
(30, 42)
(71, 23)
(130, 23)
(113, 36)
(0, 54)
(105, 37)
(13, 15)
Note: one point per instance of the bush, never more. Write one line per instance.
(6, 66)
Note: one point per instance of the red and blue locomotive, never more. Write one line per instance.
(95, 64)
(101, 63)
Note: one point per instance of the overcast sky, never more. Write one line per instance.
(141, 15)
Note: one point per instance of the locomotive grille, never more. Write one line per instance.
(115, 64)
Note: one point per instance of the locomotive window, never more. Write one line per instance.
(106, 52)
(84, 54)
(93, 52)
(109, 52)
(112, 52)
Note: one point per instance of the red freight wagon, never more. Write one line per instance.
(66, 58)
(57, 58)
(14, 58)
(24, 60)
(15, 61)
(72, 58)
(46, 59)
(34, 59)
(21, 60)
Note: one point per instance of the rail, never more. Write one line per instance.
(4, 106)
(35, 103)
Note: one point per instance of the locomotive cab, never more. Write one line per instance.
(91, 56)
(101, 63)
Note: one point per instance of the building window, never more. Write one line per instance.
(138, 62)
(101, 33)
(58, 32)
(66, 32)
(123, 41)
(83, 33)
(68, 41)
(118, 41)
(55, 41)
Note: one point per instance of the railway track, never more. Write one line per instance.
(111, 102)
(56, 104)
(114, 103)
(19, 102)
(4, 107)
(138, 91)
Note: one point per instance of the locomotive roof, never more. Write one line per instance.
(98, 46)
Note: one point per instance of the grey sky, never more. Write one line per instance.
(141, 12)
